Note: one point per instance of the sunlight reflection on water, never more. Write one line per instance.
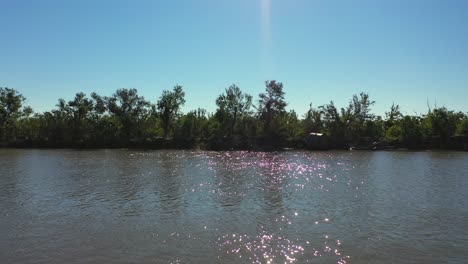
(124, 206)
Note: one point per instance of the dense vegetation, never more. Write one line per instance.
(126, 119)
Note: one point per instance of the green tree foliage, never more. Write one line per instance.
(290, 128)
(393, 116)
(126, 119)
(130, 109)
(312, 122)
(11, 110)
(233, 105)
(271, 106)
(358, 118)
(105, 127)
(192, 129)
(333, 124)
(393, 133)
(80, 110)
(441, 123)
(462, 127)
(411, 134)
(169, 105)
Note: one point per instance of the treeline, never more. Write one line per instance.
(126, 119)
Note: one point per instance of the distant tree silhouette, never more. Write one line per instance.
(271, 106)
(11, 109)
(129, 108)
(169, 105)
(233, 104)
(126, 119)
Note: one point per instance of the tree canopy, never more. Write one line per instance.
(127, 119)
(169, 105)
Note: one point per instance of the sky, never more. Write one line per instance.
(412, 53)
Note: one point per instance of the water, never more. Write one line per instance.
(126, 206)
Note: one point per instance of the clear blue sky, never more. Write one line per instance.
(408, 52)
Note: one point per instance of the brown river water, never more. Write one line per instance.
(173, 206)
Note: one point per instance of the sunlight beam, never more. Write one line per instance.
(265, 15)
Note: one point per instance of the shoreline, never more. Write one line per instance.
(235, 149)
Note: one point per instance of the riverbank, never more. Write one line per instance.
(324, 143)
(155, 147)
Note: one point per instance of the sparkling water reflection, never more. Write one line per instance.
(126, 206)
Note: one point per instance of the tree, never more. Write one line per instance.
(358, 118)
(333, 123)
(393, 133)
(361, 106)
(169, 105)
(11, 109)
(411, 135)
(129, 108)
(99, 106)
(126, 119)
(290, 127)
(462, 127)
(440, 124)
(271, 105)
(80, 109)
(312, 121)
(394, 114)
(234, 104)
(392, 119)
(191, 128)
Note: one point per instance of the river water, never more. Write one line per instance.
(129, 206)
